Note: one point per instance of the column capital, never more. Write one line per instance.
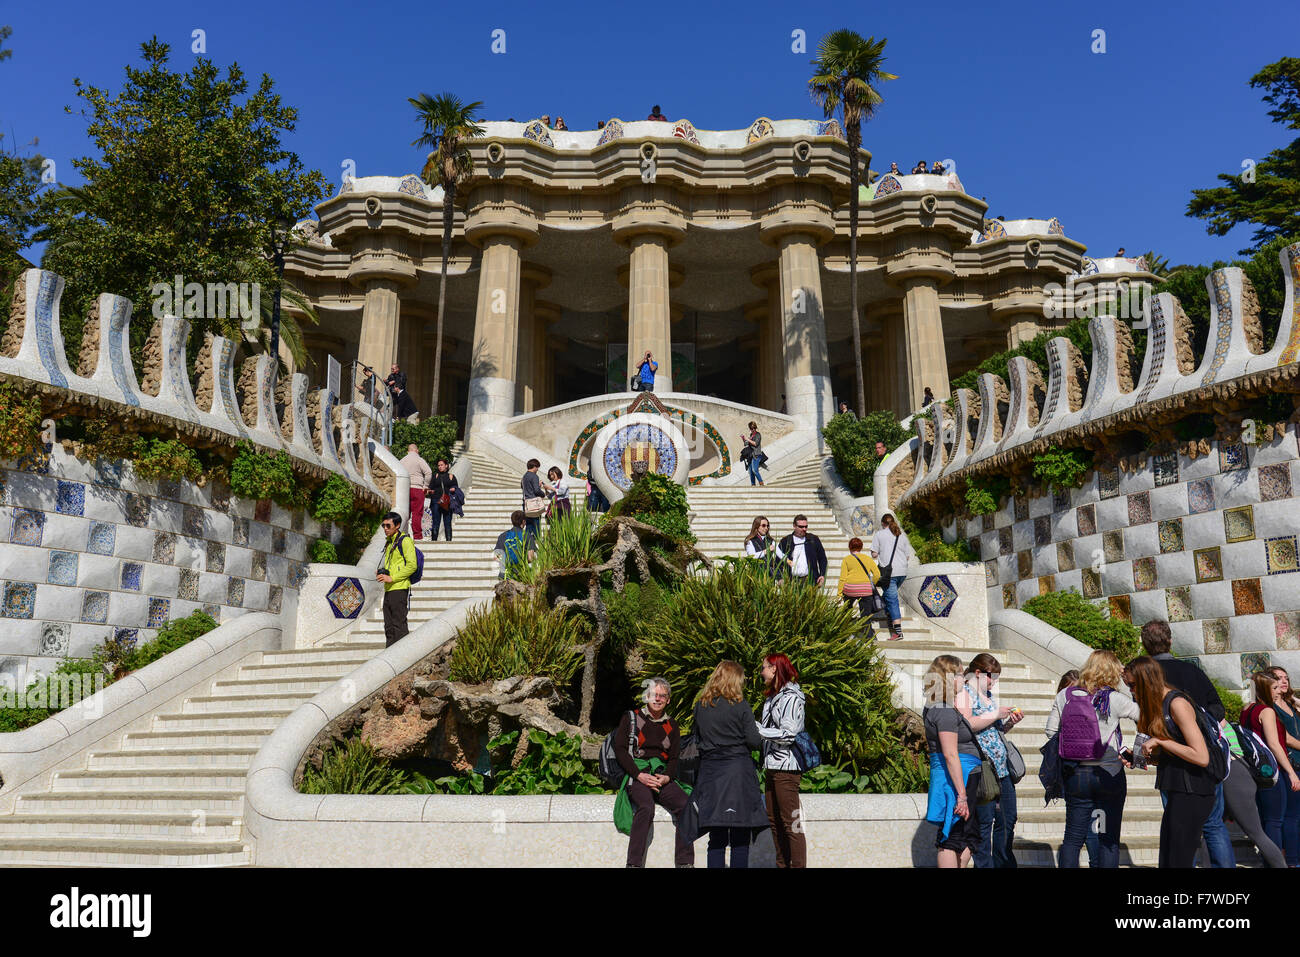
(549, 311)
(932, 264)
(766, 275)
(650, 219)
(375, 260)
(488, 222)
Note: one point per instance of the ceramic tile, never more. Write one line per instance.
(1060, 499)
(1004, 541)
(19, 600)
(991, 573)
(1232, 456)
(138, 508)
(189, 585)
(108, 473)
(1021, 507)
(1215, 632)
(192, 521)
(235, 592)
(70, 498)
(1121, 608)
(56, 639)
(1087, 517)
(1178, 602)
(240, 534)
(1008, 596)
(1200, 496)
(298, 520)
(94, 607)
(159, 610)
(28, 526)
(1274, 482)
(263, 510)
(216, 557)
(275, 600)
(213, 612)
(1144, 574)
(1171, 536)
(1287, 626)
(1065, 556)
(1280, 554)
(169, 488)
(164, 548)
(278, 540)
(1208, 563)
(101, 539)
(62, 569)
(1252, 662)
(1043, 530)
(259, 567)
(1112, 545)
(1139, 508)
(1246, 597)
(986, 523)
(1025, 564)
(1107, 483)
(1046, 584)
(132, 572)
(1091, 583)
(1166, 468)
(1239, 524)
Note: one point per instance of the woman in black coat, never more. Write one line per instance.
(727, 802)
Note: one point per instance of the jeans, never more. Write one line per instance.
(533, 526)
(443, 516)
(1094, 811)
(737, 837)
(997, 828)
(1279, 809)
(752, 467)
(891, 598)
(1215, 832)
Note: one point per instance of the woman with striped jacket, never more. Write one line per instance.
(783, 719)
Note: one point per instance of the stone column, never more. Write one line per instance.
(494, 360)
(927, 363)
(544, 315)
(649, 323)
(807, 384)
(533, 278)
(1022, 328)
(380, 320)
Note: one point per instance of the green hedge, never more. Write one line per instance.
(852, 442)
(1083, 620)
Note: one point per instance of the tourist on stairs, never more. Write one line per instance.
(781, 722)
(997, 818)
(804, 554)
(892, 550)
(954, 764)
(726, 801)
(558, 489)
(516, 546)
(648, 753)
(760, 544)
(446, 496)
(1085, 718)
(752, 453)
(534, 501)
(858, 577)
(1239, 797)
(395, 572)
(1279, 806)
(1182, 776)
(420, 474)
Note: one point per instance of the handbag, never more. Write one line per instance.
(1015, 761)
(535, 507)
(887, 569)
(444, 501)
(990, 789)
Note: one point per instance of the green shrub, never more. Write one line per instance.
(739, 612)
(929, 545)
(433, 436)
(169, 460)
(333, 501)
(76, 677)
(552, 765)
(354, 768)
(852, 442)
(1062, 468)
(323, 551)
(631, 614)
(258, 474)
(660, 502)
(979, 501)
(20, 421)
(1231, 698)
(175, 634)
(568, 542)
(1083, 620)
(520, 637)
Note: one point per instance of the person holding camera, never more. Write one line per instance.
(1091, 772)
(645, 373)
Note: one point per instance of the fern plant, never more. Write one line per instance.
(354, 768)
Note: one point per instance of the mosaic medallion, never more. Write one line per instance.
(159, 611)
(1107, 483)
(28, 527)
(1200, 496)
(1166, 468)
(131, 576)
(1239, 524)
(1091, 583)
(188, 589)
(1215, 634)
(19, 600)
(70, 498)
(94, 607)
(1004, 541)
(639, 442)
(62, 569)
(1246, 597)
(1043, 530)
(1274, 482)
(1171, 535)
(1280, 554)
(137, 509)
(1065, 556)
(991, 573)
(346, 597)
(1252, 662)
(1025, 563)
(1046, 584)
(192, 523)
(1232, 456)
(1060, 499)
(1121, 608)
(1008, 596)
(1139, 508)
(164, 548)
(56, 637)
(1178, 602)
(235, 592)
(1144, 574)
(1286, 625)
(216, 557)
(1209, 565)
(937, 596)
(1021, 507)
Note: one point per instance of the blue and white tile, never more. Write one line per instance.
(70, 498)
(160, 612)
(62, 568)
(94, 606)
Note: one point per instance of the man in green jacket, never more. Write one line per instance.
(395, 572)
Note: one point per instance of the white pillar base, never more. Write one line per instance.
(808, 398)
(491, 402)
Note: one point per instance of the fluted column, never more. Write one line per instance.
(533, 278)
(544, 315)
(803, 330)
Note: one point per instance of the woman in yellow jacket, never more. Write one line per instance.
(859, 574)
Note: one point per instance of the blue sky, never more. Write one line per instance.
(1111, 143)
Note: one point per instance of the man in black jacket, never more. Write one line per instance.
(804, 554)
(1185, 676)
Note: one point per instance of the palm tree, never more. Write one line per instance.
(448, 124)
(846, 73)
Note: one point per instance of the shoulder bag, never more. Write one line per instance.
(887, 569)
(990, 789)
(859, 589)
(535, 507)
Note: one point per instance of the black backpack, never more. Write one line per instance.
(610, 771)
(1216, 744)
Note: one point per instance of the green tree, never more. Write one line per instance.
(846, 75)
(190, 176)
(448, 126)
(1267, 195)
(20, 186)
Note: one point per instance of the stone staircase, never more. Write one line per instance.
(169, 789)
(805, 475)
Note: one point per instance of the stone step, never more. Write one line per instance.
(182, 757)
(217, 720)
(147, 778)
(303, 669)
(272, 686)
(72, 851)
(200, 828)
(212, 801)
(322, 654)
(163, 740)
(253, 704)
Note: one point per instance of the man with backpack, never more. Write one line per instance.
(516, 545)
(1186, 677)
(401, 565)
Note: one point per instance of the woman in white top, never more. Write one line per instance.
(1095, 790)
(892, 551)
(760, 544)
(559, 490)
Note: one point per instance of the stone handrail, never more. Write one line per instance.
(27, 756)
(1056, 410)
(1038, 641)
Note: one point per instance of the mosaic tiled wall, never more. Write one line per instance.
(1208, 544)
(90, 552)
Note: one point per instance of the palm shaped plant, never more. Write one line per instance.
(845, 78)
(448, 126)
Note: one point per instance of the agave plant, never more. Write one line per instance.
(568, 542)
(518, 637)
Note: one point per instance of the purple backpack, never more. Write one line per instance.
(1080, 738)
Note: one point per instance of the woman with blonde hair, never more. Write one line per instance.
(726, 801)
(954, 763)
(1095, 787)
(1279, 805)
